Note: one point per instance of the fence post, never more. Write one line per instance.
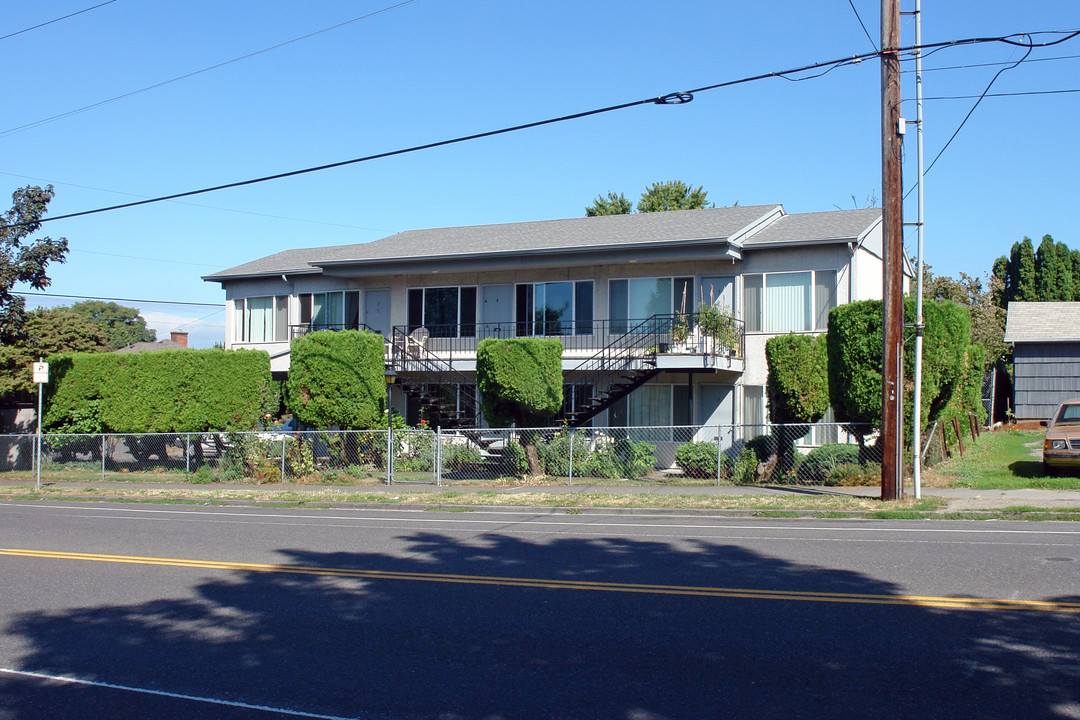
(974, 426)
(571, 475)
(389, 452)
(959, 437)
(187, 452)
(103, 458)
(438, 456)
(944, 447)
(719, 455)
(282, 458)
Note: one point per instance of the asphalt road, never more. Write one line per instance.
(115, 611)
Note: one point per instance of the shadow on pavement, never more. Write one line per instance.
(450, 651)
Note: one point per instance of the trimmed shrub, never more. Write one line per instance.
(336, 378)
(154, 392)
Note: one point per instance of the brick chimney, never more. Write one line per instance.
(180, 338)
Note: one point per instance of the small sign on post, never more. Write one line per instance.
(41, 376)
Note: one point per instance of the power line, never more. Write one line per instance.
(859, 18)
(1007, 94)
(69, 113)
(200, 205)
(675, 98)
(50, 22)
(112, 299)
(991, 64)
(136, 257)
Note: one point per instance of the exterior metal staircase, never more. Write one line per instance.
(624, 365)
(448, 395)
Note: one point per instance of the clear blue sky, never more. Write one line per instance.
(431, 70)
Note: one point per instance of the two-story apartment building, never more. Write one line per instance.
(619, 291)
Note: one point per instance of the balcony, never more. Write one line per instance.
(678, 341)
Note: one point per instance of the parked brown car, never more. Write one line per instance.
(1061, 448)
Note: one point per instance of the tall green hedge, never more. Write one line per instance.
(165, 391)
(520, 380)
(337, 378)
(798, 380)
(854, 349)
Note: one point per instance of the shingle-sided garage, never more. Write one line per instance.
(1046, 355)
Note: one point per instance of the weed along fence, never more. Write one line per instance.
(821, 454)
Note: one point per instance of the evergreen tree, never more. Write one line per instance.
(1066, 284)
(1026, 289)
(1047, 271)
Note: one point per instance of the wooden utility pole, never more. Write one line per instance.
(892, 201)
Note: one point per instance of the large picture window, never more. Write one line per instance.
(330, 310)
(443, 311)
(262, 319)
(555, 308)
(789, 302)
(635, 300)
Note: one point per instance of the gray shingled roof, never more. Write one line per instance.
(568, 235)
(539, 236)
(807, 228)
(153, 346)
(1043, 322)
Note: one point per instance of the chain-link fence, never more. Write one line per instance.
(820, 454)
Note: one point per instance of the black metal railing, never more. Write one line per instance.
(447, 394)
(677, 333)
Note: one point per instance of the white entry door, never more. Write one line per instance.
(377, 311)
(496, 311)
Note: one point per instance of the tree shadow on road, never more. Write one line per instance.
(449, 650)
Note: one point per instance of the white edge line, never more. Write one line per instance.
(164, 693)
(255, 512)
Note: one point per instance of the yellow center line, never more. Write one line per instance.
(962, 603)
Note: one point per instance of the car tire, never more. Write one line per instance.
(1049, 471)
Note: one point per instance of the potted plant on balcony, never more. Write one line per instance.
(716, 326)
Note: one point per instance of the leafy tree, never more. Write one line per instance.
(122, 326)
(658, 197)
(674, 195)
(854, 352)
(797, 389)
(336, 378)
(520, 383)
(987, 317)
(46, 331)
(613, 204)
(23, 260)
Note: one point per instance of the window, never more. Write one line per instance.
(823, 432)
(718, 291)
(330, 310)
(754, 409)
(824, 297)
(262, 319)
(444, 311)
(555, 308)
(635, 300)
(789, 302)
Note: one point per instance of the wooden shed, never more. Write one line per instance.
(1046, 355)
